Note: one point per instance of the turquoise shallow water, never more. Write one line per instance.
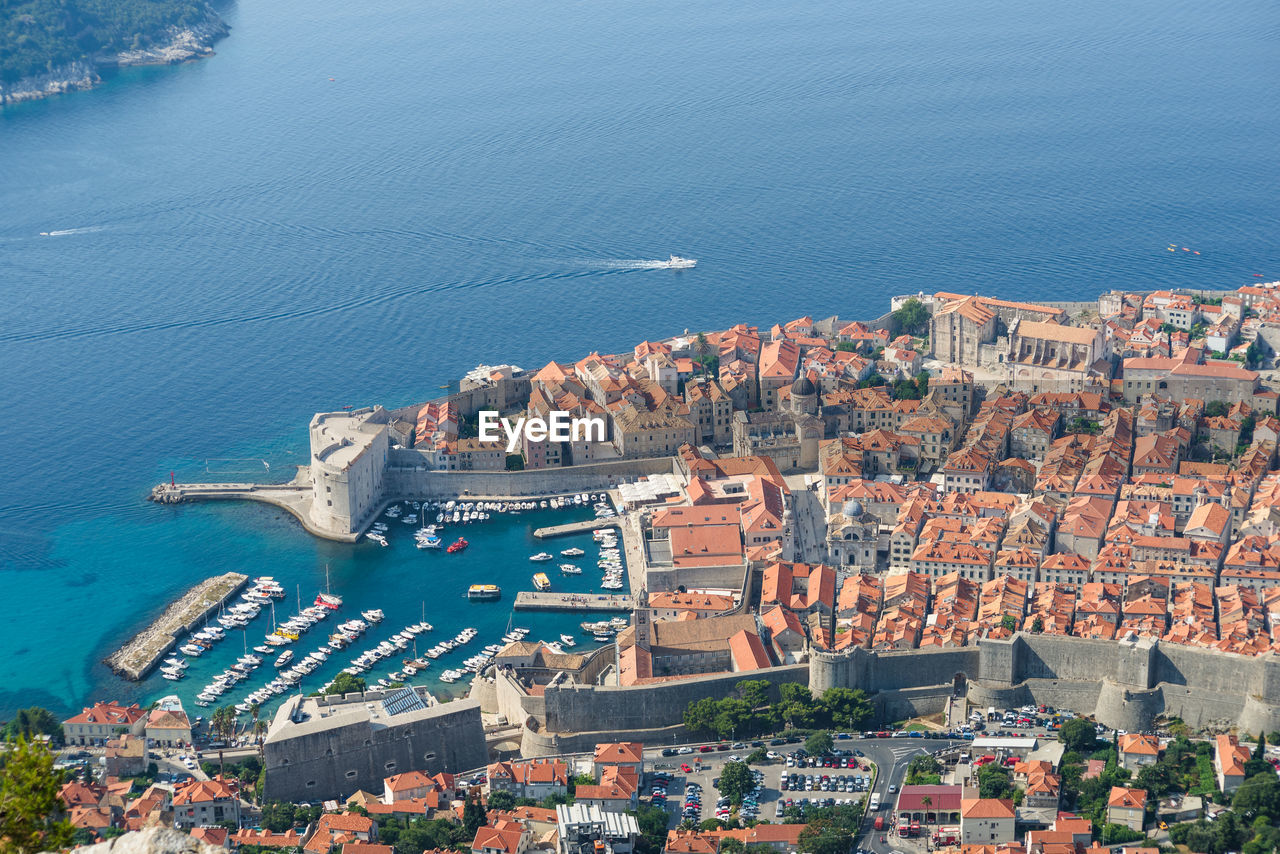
(252, 242)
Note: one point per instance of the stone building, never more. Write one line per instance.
(348, 461)
(328, 747)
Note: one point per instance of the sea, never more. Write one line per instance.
(356, 203)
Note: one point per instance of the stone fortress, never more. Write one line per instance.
(1125, 684)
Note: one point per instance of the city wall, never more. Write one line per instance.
(1125, 684)
(408, 477)
(571, 708)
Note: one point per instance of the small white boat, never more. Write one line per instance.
(570, 569)
(541, 556)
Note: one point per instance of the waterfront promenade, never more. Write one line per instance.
(527, 600)
(136, 658)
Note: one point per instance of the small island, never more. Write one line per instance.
(52, 46)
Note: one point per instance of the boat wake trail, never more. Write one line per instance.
(88, 229)
(634, 264)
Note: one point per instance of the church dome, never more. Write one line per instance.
(803, 387)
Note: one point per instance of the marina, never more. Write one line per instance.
(140, 655)
(378, 602)
(528, 600)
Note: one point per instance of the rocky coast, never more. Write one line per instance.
(178, 44)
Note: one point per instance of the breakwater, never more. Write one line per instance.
(136, 658)
(527, 600)
(575, 528)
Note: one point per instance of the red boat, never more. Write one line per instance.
(457, 546)
(328, 600)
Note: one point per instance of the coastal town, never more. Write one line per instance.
(982, 576)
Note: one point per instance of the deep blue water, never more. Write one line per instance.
(254, 241)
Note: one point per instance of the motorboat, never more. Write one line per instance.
(573, 552)
(484, 592)
(541, 582)
(373, 615)
(541, 556)
(457, 545)
(570, 569)
(285, 658)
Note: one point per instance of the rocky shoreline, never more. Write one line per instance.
(179, 45)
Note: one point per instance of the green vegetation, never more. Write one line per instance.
(420, 834)
(749, 712)
(1201, 299)
(515, 462)
(343, 683)
(33, 722)
(830, 830)
(842, 347)
(37, 36)
(653, 828)
(873, 381)
(30, 810)
(912, 389)
(924, 770)
(735, 781)
(994, 782)
(1079, 735)
(912, 317)
(279, 816)
(1215, 409)
(819, 743)
(1080, 424)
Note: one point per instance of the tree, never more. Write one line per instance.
(700, 715)
(31, 722)
(653, 828)
(1079, 735)
(994, 782)
(911, 316)
(735, 781)
(30, 809)
(223, 721)
(1215, 409)
(1258, 796)
(1009, 623)
(501, 800)
(731, 845)
(922, 383)
(926, 802)
(473, 815)
(757, 757)
(819, 743)
(924, 770)
(278, 816)
(1037, 625)
(754, 691)
(343, 683)
(848, 708)
(842, 347)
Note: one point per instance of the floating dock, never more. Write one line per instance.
(527, 600)
(576, 528)
(135, 659)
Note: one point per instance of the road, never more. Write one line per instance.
(891, 755)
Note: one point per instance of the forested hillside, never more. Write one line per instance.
(37, 36)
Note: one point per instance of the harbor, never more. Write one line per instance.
(528, 600)
(139, 656)
(575, 528)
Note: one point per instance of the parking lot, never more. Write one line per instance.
(789, 778)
